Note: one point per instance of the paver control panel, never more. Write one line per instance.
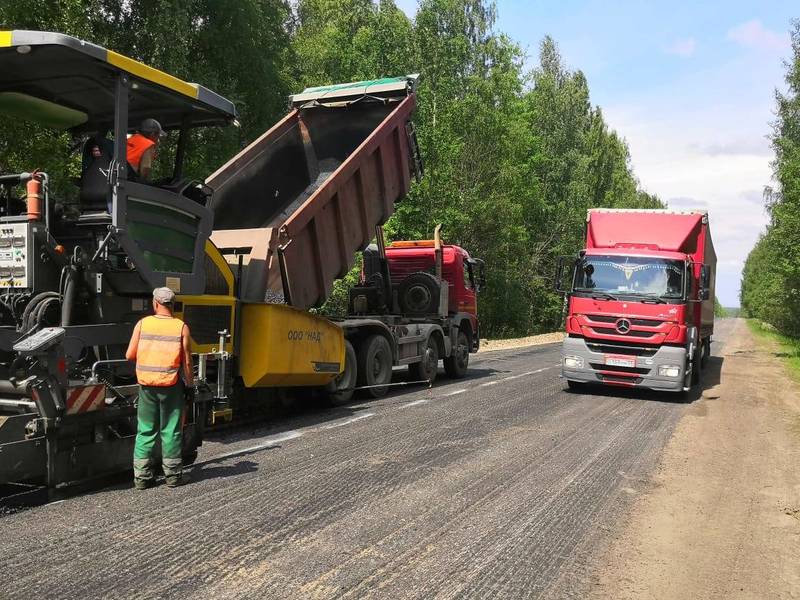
(14, 255)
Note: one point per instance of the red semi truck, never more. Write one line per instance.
(640, 300)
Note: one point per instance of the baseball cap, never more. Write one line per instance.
(163, 295)
(151, 126)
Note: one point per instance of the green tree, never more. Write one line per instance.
(771, 277)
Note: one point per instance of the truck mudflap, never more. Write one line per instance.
(662, 368)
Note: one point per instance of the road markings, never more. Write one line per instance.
(528, 373)
(488, 383)
(269, 442)
(344, 422)
(415, 403)
(454, 393)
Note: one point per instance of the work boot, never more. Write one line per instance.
(174, 481)
(142, 484)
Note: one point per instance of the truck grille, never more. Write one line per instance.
(632, 333)
(613, 319)
(612, 347)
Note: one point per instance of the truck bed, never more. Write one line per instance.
(297, 204)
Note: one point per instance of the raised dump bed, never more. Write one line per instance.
(295, 206)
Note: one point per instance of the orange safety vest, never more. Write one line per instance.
(137, 145)
(158, 357)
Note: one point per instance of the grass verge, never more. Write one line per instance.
(789, 348)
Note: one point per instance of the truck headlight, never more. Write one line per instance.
(573, 362)
(669, 371)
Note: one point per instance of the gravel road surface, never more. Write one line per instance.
(502, 485)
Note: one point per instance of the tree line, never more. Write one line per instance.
(770, 288)
(514, 156)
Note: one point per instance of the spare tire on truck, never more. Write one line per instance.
(418, 294)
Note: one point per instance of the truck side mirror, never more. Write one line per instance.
(705, 276)
(477, 273)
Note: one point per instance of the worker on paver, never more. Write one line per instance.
(142, 147)
(161, 347)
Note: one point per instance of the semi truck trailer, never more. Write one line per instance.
(639, 300)
(248, 251)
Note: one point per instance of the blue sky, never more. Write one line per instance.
(690, 86)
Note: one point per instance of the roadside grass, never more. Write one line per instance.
(789, 348)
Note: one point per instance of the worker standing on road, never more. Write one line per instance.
(161, 347)
(142, 147)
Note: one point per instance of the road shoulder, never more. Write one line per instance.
(721, 516)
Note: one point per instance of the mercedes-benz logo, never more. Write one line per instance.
(623, 326)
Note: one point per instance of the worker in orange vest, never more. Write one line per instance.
(161, 347)
(142, 147)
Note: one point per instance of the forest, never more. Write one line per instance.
(514, 149)
(771, 278)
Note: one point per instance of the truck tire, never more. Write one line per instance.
(418, 294)
(374, 365)
(341, 389)
(457, 364)
(428, 367)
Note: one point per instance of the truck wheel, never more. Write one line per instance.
(457, 363)
(418, 294)
(375, 365)
(428, 367)
(341, 389)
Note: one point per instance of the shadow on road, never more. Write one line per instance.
(202, 471)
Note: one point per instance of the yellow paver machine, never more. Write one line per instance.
(77, 272)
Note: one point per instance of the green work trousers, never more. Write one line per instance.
(160, 415)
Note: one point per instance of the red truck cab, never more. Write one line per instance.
(415, 305)
(640, 302)
(459, 271)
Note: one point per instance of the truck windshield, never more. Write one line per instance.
(630, 275)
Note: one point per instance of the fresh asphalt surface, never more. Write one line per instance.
(501, 485)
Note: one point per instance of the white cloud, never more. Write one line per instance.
(668, 160)
(753, 34)
(683, 47)
(698, 140)
(755, 146)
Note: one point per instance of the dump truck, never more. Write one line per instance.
(248, 251)
(640, 300)
(292, 210)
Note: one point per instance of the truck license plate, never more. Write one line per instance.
(620, 361)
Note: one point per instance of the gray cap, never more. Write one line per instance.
(151, 126)
(163, 295)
